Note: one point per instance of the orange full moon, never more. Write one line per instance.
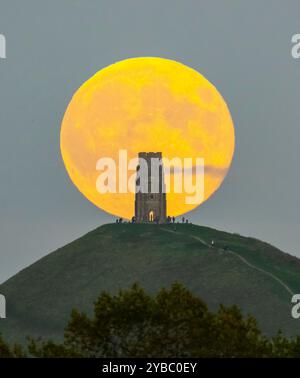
(146, 104)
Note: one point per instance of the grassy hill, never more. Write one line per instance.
(252, 274)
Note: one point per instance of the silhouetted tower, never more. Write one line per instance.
(150, 196)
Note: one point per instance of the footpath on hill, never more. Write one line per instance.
(244, 261)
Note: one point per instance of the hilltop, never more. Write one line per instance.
(236, 270)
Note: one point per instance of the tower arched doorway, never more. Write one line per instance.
(151, 216)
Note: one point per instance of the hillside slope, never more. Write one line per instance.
(252, 274)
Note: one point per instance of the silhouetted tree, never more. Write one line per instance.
(173, 323)
(7, 351)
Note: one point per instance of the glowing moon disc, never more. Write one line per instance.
(146, 104)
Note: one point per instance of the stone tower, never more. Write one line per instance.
(150, 196)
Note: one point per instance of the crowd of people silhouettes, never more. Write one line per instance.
(169, 220)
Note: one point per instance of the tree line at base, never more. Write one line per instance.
(172, 323)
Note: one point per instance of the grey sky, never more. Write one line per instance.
(242, 47)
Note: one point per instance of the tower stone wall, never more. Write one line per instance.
(150, 206)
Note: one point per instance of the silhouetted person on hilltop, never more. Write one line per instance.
(173, 219)
(183, 219)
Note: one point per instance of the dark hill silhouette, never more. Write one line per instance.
(235, 270)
